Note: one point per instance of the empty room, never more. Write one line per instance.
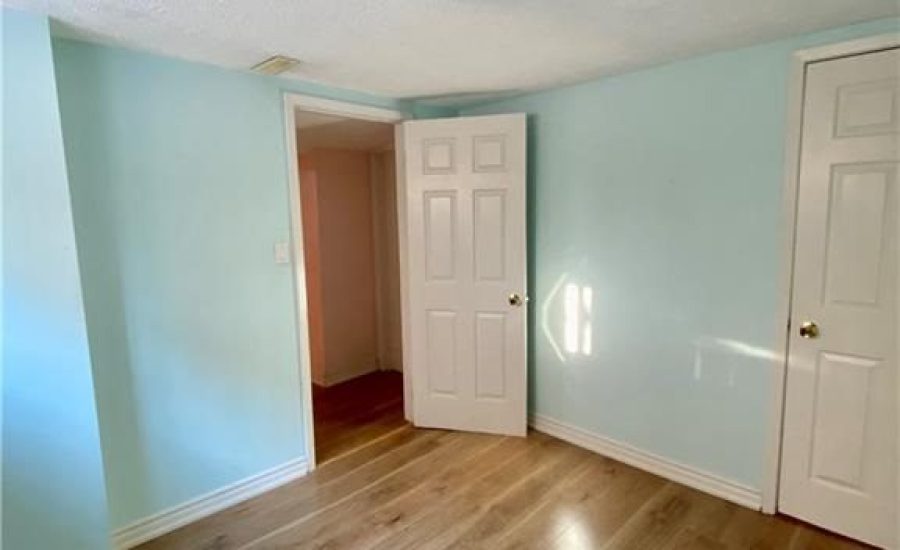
(450, 274)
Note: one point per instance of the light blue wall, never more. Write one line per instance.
(179, 182)
(658, 189)
(661, 191)
(53, 491)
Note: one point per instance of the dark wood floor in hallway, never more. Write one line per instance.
(355, 412)
(423, 489)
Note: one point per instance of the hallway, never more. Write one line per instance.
(356, 412)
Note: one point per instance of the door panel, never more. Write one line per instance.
(490, 356)
(856, 227)
(490, 234)
(465, 239)
(843, 384)
(440, 235)
(442, 343)
(867, 108)
(839, 450)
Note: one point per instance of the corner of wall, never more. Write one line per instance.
(54, 492)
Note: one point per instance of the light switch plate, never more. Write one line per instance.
(282, 253)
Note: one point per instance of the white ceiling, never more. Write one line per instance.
(319, 131)
(418, 48)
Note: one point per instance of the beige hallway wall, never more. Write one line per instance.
(340, 263)
(310, 218)
(387, 260)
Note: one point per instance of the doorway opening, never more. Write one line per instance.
(347, 271)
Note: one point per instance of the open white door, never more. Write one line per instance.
(839, 457)
(464, 272)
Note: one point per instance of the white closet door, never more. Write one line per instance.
(839, 456)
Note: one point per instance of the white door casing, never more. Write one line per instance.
(839, 450)
(465, 254)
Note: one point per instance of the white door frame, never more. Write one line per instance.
(292, 103)
(796, 89)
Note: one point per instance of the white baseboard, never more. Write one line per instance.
(177, 516)
(655, 464)
(342, 375)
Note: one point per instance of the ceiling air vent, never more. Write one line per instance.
(276, 64)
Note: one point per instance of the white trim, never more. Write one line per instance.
(301, 310)
(172, 518)
(338, 376)
(793, 134)
(341, 108)
(850, 47)
(655, 464)
(402, 245)
(794, 125)
(292, 103)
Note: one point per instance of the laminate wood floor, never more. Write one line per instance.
(429, 489)
(355, 412)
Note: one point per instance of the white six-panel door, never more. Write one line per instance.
(465, 267)
(839, 454)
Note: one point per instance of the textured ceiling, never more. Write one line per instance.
(420, 48)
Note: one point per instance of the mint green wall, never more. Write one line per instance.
(661, 191)
(53, 492)
(179, 182)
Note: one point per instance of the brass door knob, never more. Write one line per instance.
(514, 300)
(809, 330)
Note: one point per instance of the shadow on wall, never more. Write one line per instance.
(96, 219)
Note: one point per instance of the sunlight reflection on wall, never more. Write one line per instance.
(707, 344)
(577, 319)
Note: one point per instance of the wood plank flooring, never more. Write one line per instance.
(355, 412)
(430, 489)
